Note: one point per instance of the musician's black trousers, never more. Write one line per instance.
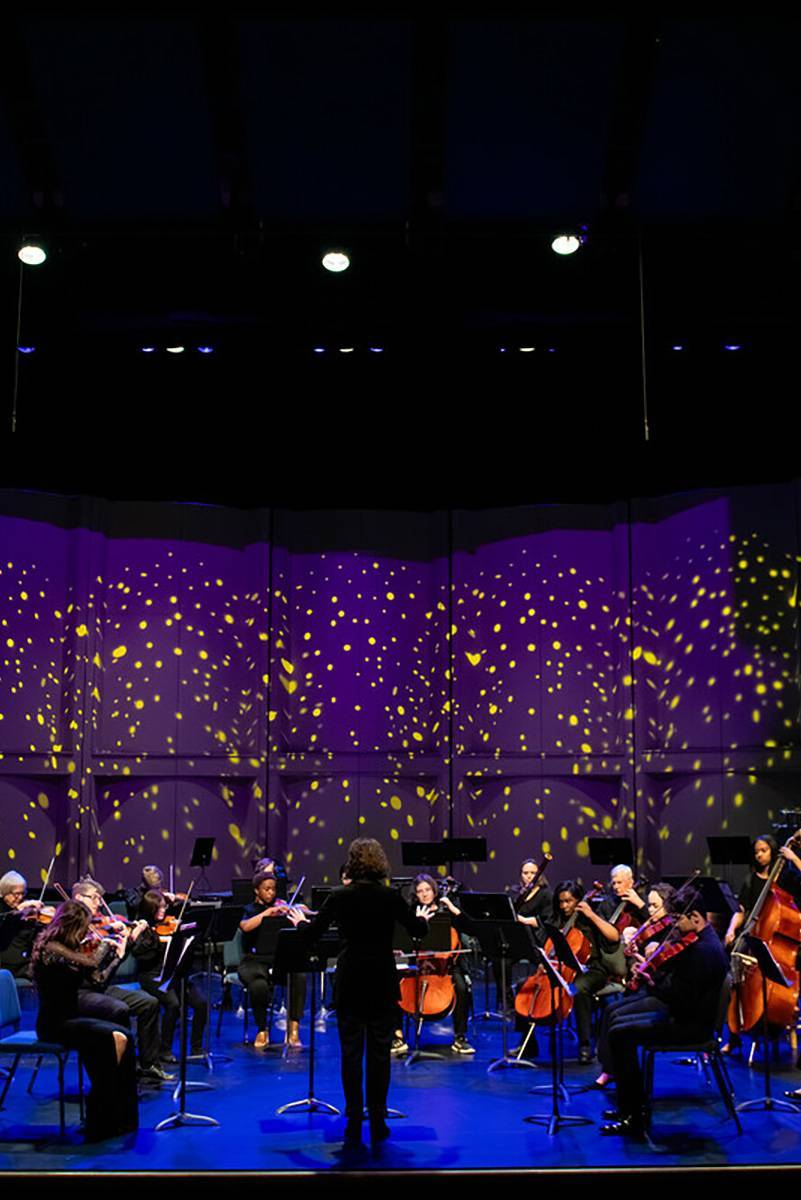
(371, 1034)
(587, 984)
(621, 1009)
(256, 975)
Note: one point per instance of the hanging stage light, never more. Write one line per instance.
(336, 261)
(174, 349)
(32, 253)
(566, 243)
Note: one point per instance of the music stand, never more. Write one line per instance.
(437, 940)
(177, 965)
(611, 851)
(501, 936)
(564, 957)
(770, 970)
(294, 957)
(201, 857)
(554, 1119)
(221, 926)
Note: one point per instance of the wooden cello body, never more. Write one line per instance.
(775, 920)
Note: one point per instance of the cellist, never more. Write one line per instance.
(766, 855)
(603, 938)
(426, 893)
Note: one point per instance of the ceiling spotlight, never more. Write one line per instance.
(678, 346)
(205, 349)
(32, 254)
(346, 349)
(335, 261)
(174, 349)
(732, 347)
(26, 349)
(376, 349)
(147, 349)
(566, 243)
(527, 349)
(319, 349)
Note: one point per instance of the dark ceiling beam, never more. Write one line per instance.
(219, 46)
(27, 126)
(629, 113)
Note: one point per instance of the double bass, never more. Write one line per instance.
(775, 920)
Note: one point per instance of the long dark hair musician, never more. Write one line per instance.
(67, 955)
(366, 990)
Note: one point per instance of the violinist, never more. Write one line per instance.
(602, 937)
(639, 946)
(152, 880)
(18, 924)
(116, 1004)
(426, 893)
(150, 950)
(63, 963)
(366, 989)
(255, 969)
(682, 1007)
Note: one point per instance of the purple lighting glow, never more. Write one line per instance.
(205, 349)
(732, 347)
(26, 349)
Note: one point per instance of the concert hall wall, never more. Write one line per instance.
(283, 680)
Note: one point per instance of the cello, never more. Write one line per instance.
(775, 920)
(533, 999)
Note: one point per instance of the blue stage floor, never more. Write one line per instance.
(458, 1118)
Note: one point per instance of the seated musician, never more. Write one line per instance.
(682, 1007)
(102, 999)
(766, 851)
(255, 969)
(426, 894)
(640, 944)
(18, 924)
(65, 957)
(622, 892)
(150, 950)
(603, 938)
(152, 880)
(533, 905)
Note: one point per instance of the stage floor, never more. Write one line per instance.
(458, 1118)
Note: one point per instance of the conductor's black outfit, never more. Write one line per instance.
(366, 988)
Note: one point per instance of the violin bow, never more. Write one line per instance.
(47, 878)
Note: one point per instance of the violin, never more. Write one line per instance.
(647, 932)
(669, 949)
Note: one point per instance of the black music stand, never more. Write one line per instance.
(437, 940)
(294, 957)
(501, 936)
(564, 957)
(177, 966)
(221, 926)
(770, 970)
(554, 1119)
(201, 857)
(611, 851)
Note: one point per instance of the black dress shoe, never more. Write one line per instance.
(156, 1073)
(585, 1055)
(167, 1056)
(611, 1114)
(379, 1130)
(796, 1095)
(353, 1131)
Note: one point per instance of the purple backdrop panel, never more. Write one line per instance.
(715, 621)
(181, 648)
(319, 819)
(541, 636)
(683, 808)
(523, 818)
(360, 654)
(39, 616)
(224, 809)
(401, 810)
(135, 827)
(157, 820)
(35, 813)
